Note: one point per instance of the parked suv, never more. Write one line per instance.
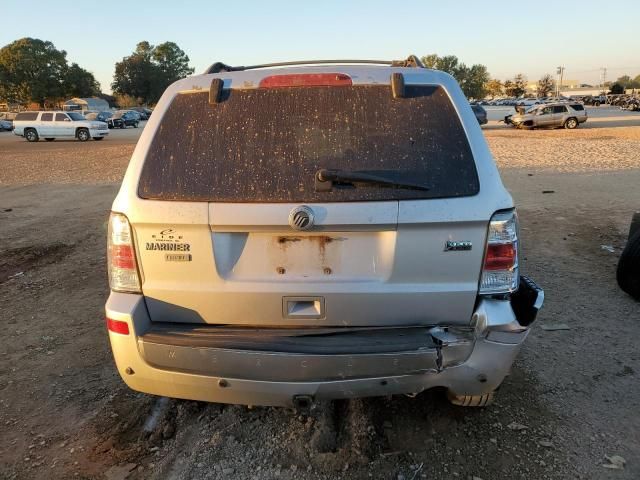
(109, 119)
(124, 119)
(6, 121)
(480, 113)
(595, 101)
(144, 112)
(315, 232)
(559, 114)
(52, 125)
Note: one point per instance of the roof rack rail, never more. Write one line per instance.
(411, 61)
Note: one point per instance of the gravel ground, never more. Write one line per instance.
(583, 150)
(602, 144)
(66, 161)
(570, 402)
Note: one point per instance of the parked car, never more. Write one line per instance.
(89, 114)
(92, 115)
(595, 101)
(559, 114)
(6, 121)
(144, 113)
(529, 102)
(618, 100)
(141, 115)
(107, 117)
(104, 116)
(632, 104)
(52, 125)
(347, 236)
(506, 102)
(9, 116)
(136, 115)
(628, 272)
(124, 119)
(480, 113)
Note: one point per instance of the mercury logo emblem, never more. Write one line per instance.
(301, 218)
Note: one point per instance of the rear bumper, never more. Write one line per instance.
(470, 361)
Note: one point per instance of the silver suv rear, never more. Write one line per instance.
(291, 233)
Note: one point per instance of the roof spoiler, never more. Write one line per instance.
(412, 61)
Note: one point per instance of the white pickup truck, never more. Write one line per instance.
(51, 125)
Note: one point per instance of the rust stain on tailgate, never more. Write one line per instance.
(319, 241)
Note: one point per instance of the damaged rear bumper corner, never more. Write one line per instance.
(470, 362)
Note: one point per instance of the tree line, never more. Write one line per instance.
(472, 80)
(33, 70)
(517, 86)
(149, 70)
(625, 81)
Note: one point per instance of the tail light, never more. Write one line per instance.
(500, 273)
(121, 256)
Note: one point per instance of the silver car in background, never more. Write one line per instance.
(316, 230)
(6, 125)
(550, 115)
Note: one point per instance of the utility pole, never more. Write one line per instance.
(604, 78)
(560, 73)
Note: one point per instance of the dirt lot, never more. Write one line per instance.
(572, 399)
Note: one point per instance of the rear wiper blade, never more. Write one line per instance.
(326, 177)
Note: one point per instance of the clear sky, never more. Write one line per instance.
(507, 36)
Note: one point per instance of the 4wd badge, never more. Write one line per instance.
(452, 246)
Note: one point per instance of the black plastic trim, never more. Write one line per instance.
(527, 301)
(323, 341)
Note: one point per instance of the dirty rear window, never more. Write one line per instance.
(266, 145)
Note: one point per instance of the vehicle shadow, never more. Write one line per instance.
(393, 437)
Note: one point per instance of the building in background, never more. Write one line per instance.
(569, 84)
(82, 104)
(566, 87)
